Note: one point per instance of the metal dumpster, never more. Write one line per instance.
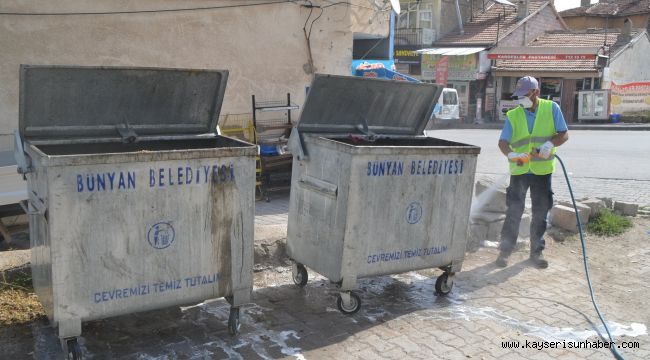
(369, 196)
(134, 203)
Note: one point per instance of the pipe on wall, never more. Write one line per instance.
(460, 18)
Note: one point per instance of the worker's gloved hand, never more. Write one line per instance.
(545, 149)
(519, 158)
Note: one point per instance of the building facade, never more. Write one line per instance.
(423, 22)
(271, 48)
(459, 59)
(576, 68)
(608, 14)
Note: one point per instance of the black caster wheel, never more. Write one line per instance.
(74, 350)
(355, 304)
(301, 277)
(233, 321)
(443, 287)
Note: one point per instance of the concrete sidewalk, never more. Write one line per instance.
(491, 314)
(572, 126)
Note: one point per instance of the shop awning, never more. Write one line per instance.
(448, 51)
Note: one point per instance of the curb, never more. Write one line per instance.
(499, 126)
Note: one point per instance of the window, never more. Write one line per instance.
(408, 16)
(425, 19)
(415, 15)
(551, 88)
(449, 98)
(597, 83)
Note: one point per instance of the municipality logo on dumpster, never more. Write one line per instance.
(414, 212)
(161, 235)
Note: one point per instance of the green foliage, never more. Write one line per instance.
(607, 223)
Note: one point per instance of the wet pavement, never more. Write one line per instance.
(490, 313)
(401, 317)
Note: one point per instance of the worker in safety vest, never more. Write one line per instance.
(529, 137)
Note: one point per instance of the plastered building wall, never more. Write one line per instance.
(264, 46)
(588, 22)
(542, 21)
(629, 67)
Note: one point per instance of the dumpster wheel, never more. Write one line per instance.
(233, 321)
(74, 350)
(444, 284)
(301, 277)
(355, 304)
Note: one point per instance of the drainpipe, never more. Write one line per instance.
(460, 18)
(391, 38)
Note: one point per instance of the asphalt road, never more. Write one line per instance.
(587, 154)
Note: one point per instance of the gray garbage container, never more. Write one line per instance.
(135, 203)
(369, 196)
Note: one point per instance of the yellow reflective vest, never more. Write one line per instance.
(523, 141)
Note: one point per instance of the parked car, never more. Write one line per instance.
(447, 108)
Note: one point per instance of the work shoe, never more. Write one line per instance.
(539, 261)
(502, 261)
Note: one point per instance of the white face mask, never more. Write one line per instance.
(525, 102)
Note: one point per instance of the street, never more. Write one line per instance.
(600, 163)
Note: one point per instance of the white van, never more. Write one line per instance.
(447, 107)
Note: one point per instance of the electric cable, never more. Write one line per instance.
(615, 352)
(312, 23)
(145, 11)
(346, 3)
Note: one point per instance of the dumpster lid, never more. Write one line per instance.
(67, 102)
(342, 104)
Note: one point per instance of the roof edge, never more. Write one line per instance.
(464, 45)
(560, 73)
(635, 39)
(557, 14)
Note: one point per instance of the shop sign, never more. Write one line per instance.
(459, 67)
(505, 106)
(542, 57)
(407, 56)
(442, 71)
(630, 97)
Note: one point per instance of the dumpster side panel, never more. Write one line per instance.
(461, 206)
(318, 207)
(39, 237)
(137, 236)
(407, 211)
